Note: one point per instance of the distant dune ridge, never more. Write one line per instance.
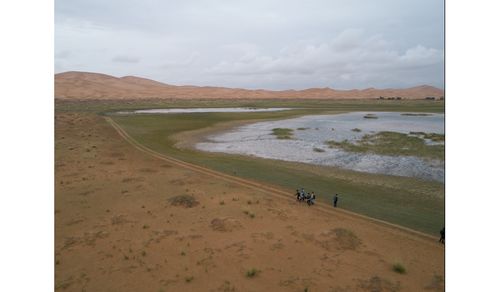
(86, 85)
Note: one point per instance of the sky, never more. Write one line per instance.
(277, 45)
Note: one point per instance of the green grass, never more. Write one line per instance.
(409, 202)
(283, 133)
(394, 143)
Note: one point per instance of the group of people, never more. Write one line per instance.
(310, 198)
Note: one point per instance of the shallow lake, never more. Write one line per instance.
(313, 131)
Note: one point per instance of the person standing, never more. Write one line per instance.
(441, 240)
(335, 200)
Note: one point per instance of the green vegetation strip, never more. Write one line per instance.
(394, 143)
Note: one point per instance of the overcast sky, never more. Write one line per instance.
(267, 44)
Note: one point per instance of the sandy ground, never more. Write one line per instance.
(117, 230)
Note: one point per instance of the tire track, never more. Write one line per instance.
(269, 189)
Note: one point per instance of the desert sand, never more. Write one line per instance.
(86, 85)
(126, 220)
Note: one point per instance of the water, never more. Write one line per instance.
(203, 110)
(257, 140)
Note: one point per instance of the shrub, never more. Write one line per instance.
(399, 268)
(185, 201)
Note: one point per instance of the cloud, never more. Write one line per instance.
(125, 59)
(350, 57)
(181, 63)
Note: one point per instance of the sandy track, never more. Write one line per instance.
(269, 190)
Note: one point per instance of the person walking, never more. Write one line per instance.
(441, 240)
(335, 200)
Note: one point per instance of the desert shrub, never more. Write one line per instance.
(399, 268)
(185, 201)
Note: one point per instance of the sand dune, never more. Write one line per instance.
(85, 85)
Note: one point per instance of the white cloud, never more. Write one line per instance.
(125, 59)
(347, 60)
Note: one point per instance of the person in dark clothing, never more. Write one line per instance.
(311, 199)
(335, 200)
(441, 240)
(298, 195)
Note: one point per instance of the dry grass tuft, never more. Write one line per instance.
(346, 238)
